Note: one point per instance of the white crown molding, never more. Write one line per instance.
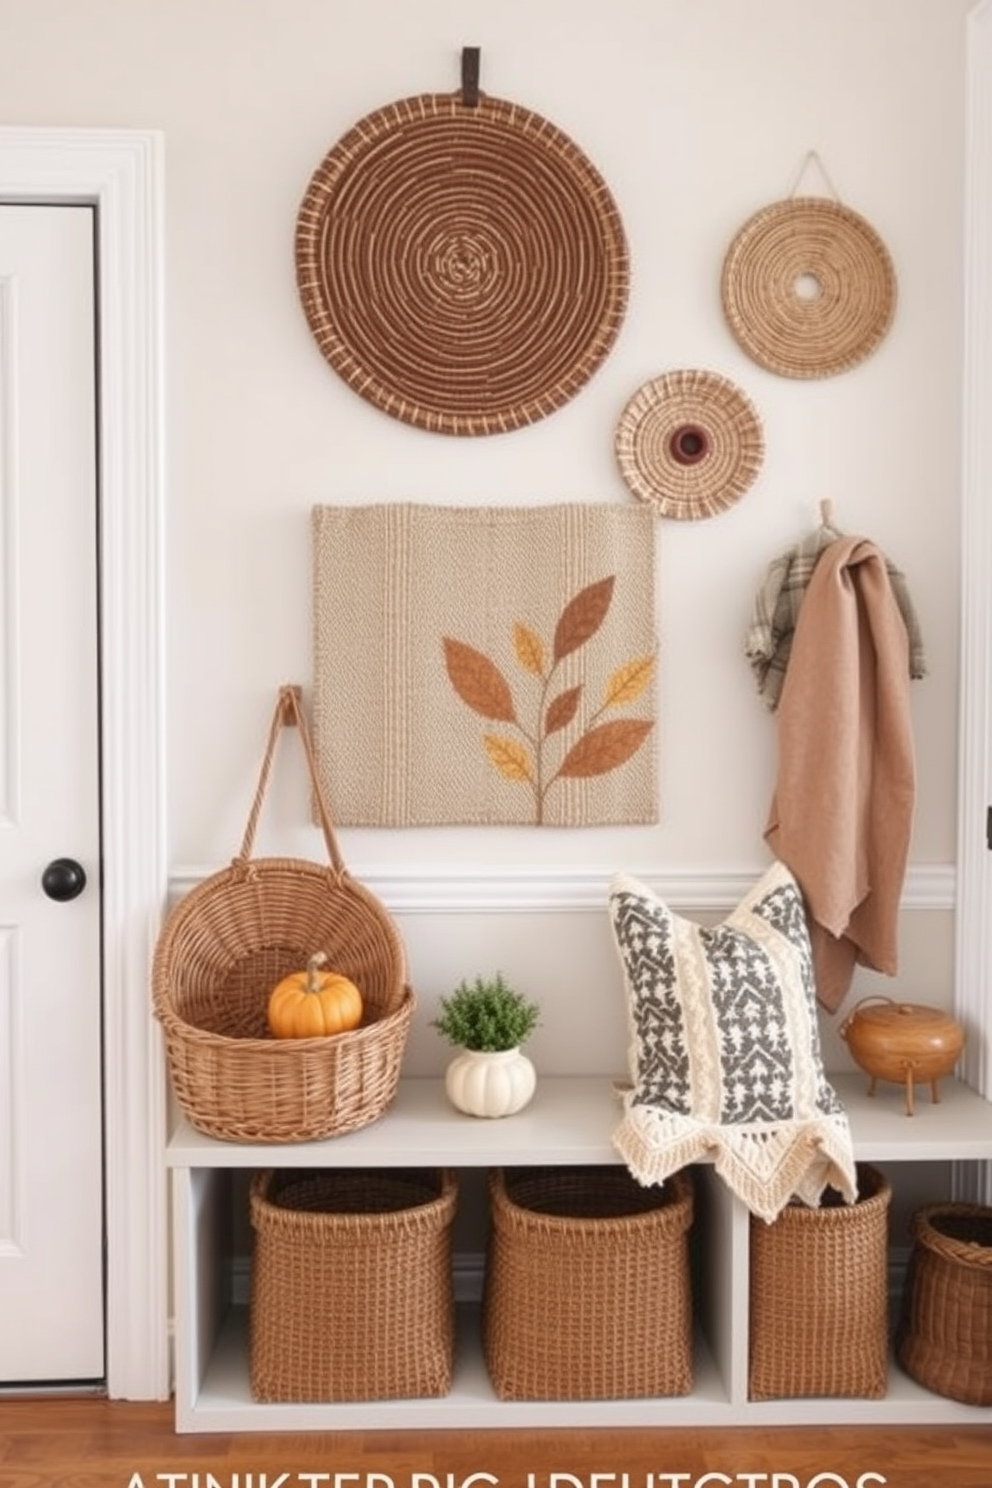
(520, 891)
(121, 174)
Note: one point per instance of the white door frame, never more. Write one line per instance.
(973, 969)
(121, 174)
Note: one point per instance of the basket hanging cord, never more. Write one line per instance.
(812, 158)
(289, 712)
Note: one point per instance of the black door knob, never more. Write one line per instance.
(63, 879)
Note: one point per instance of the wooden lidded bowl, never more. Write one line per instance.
(905, 1042)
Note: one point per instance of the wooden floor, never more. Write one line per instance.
(93, 1443)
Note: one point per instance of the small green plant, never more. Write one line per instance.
(487, 1015)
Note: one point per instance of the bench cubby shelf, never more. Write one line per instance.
(570, 1120)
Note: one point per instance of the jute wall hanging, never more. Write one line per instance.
(689, 443)
(461, 263)
(808, 287)
(521, 695)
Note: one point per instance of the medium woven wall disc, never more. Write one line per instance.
(690, 443)
(808, 286)
(463, 268)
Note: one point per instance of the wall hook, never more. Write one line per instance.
(290, 700)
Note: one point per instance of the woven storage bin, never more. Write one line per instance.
(587, 1291)
(225, 946)
(819, 1296)
(351, 1284)
(944, 1338)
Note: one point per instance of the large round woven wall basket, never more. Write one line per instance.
(689, 443)
(462, 267)
(808, 288)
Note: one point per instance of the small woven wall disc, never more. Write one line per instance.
(690, 443)
(464, 268)
(808, 286)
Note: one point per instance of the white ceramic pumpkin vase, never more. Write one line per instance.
(490, 1083)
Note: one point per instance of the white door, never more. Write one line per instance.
(51, 1165)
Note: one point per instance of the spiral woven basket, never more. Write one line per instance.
(808, 286)
(944, 1337)
(689, 443)
(587, 1288)
(462, 268)
(352, 1296)
(819, 1297)
(224, 947)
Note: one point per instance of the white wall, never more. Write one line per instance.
(697, 112)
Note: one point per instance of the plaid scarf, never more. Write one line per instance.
(776, 609)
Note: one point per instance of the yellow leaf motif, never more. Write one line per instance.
(530, 652)
(629, 681)
(509, 757)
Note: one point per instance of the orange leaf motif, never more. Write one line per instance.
(562, 710)
(530, 652)
(582, 617)
(509, 757)
(628, 682)
(604, 748)
(478, 682)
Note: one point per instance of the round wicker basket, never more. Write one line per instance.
(944, 1338)
(462, 268)
(689, 443)
(228, 942)
(808, 287)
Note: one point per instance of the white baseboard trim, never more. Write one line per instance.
(928, 886)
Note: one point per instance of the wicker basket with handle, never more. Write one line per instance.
(224, 947)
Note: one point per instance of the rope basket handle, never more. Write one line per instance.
(289, 712)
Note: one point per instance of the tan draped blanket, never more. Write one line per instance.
(485, 665)
(841, 815)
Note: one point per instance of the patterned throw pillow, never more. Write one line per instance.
(725, 1054)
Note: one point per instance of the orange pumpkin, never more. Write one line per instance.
(311, 1003)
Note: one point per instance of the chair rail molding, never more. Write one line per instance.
(121, 174)
(553, 890)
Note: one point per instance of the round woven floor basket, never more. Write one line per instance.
(808, 287)
(352, 1295)
(224, 947)
(587, 1286)
(944, 1337)
(819, 1297)
(462, 268)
